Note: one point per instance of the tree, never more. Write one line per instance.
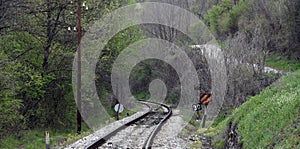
(10, 105)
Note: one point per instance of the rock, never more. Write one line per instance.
(194, 138)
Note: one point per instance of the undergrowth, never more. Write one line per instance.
(35, 139)
(279, 62)
(270, 119)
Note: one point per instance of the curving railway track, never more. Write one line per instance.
(137, 133)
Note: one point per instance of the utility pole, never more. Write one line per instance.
(79, 67)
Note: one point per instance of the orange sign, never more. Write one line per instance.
(205, 98)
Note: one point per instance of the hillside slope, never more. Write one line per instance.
(268, 120)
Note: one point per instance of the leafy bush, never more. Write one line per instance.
(223, 18)
(10, 117)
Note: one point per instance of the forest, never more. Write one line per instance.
(39, 39)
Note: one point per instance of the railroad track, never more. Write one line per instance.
(138, 133)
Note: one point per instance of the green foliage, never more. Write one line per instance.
(142, 95)
(194, 123)
(213, 16)
(30, 79)
(11, 119)
(197, 144)
(24, 44)
(42, 95)
(172, 99)
(35, 139)
(282, 63)
(223, 18)
(264, 118)
(115, 45)
(222, 116)
(203, 132)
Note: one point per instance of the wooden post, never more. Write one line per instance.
(79, 68)
(47, 140)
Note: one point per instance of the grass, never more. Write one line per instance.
(282, 63)
(35, 139)
(270, 119)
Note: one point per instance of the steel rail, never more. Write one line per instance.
(151, 137)
(99, 142)
(108, 135)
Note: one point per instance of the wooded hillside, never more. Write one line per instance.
(38, 40)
